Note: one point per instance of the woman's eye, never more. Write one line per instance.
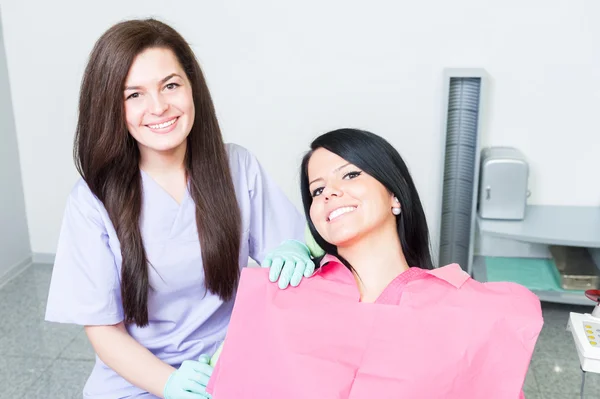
(317, 192)
(352, 175)
(133, 95)
(172, 86)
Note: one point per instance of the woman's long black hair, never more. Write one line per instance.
(376, 157)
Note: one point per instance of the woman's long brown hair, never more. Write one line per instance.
(107, 157)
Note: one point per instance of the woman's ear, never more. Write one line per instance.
(396, 209)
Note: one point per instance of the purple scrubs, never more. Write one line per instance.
(185, 319)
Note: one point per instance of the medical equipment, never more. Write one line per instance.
(585, 329)
(576, 268)
(503, 184)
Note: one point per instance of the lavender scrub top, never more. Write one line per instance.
(185, 320)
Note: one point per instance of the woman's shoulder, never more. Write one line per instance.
(238, 154)
(234, 149)
(84, 201)
(81, 192)
(242, 162)
(475, 291)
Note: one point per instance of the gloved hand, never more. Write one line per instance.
(213, 360)
(314, 248)
(189, 381)
(289, 262)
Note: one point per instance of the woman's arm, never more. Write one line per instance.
(85, 290)
(136, 364)
(119, 351)
(276, 228)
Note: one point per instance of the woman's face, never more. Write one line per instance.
(348, 204)
(159, 106)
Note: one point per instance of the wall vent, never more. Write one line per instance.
(464, 91)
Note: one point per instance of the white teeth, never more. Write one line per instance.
(163, 125)
(340, 212)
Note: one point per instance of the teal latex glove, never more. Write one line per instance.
(215, 358)
(289, 262)
(312, 245)
(189, 381)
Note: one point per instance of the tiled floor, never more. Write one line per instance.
(50, 361)
(38, 359)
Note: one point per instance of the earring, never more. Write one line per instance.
(396, 210)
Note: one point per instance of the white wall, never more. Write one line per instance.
(282, 72)
(15, 252)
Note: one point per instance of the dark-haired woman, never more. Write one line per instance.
(385, 323)
(164, 216)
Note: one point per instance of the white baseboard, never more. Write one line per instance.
(14, 270)
(43, 258)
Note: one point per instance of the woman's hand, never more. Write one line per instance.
(189, 381)
(289, 262)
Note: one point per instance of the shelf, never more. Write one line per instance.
(577, 226)
(565, 297)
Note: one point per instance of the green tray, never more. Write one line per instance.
(533, 273)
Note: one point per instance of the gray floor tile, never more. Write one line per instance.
(23, 331)
(19, 374)
(561, 376)
(531, 383)
(64, 379)
(532, 394)
(79, 349)
(31, 337)
(33, 281)
(592, 385)
(555, 362)
(555, 342)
